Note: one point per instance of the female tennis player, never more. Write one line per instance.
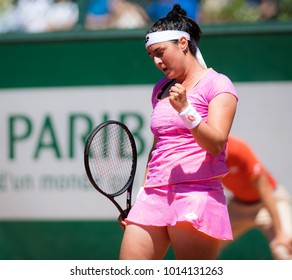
(182, 202)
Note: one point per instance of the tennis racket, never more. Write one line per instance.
(110, 159)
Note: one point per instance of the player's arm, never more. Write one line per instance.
(211, 135)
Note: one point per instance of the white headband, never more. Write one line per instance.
(168, 35)
(163, 36)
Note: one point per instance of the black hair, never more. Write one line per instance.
(177, 19)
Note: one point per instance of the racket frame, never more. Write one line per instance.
(129, 185)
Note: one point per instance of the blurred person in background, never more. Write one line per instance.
(97, 14)
(226, 11)
(39, 16)
(103, 14)
(269, 9)
(159, 8)
(256, 199)
(62, 15)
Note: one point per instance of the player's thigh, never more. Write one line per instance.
(189, 243)
(144, 242)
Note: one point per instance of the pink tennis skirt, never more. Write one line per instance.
(203, 206)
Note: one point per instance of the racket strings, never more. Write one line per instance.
(111, 159)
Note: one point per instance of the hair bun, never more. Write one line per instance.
(177, 10)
